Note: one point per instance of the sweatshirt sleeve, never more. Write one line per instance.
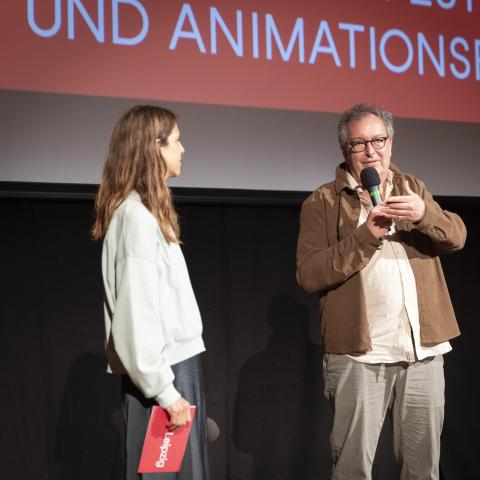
(137, 329)
(321, 266)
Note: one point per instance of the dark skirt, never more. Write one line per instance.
(189, 383)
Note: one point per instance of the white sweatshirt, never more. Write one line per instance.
(152, 319)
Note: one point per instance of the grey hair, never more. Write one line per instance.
(358, 111)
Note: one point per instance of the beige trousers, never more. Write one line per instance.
(361, 394)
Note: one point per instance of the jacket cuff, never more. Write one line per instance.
(167, 396)
(427, 220)
(367, 238)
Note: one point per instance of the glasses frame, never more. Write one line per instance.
(364, 143)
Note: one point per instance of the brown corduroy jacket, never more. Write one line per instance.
(332, 250)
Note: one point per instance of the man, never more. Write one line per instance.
(386, 314)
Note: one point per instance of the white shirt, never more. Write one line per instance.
(152, 319)
(391, 298)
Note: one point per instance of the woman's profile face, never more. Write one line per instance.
(172, 153)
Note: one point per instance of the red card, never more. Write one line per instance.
(163, 450)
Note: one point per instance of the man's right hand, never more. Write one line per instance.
(179, 412)
(377, 223)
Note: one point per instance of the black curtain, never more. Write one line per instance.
(60, 413)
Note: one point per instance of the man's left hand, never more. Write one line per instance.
(409, 207)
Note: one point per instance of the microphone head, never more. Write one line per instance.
(213, 431)
(369, 177)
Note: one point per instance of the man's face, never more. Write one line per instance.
(368, 127)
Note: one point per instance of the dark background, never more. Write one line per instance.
(60, 413)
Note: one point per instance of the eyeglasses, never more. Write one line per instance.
(377, 143)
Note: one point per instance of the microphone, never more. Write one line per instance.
(371, 181)
(213, 431)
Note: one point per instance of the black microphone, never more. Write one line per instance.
(213, 431)
(371, 181)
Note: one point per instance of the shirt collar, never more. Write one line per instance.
(354, 185)
(134, 195)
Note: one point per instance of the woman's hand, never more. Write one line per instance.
(179, 412)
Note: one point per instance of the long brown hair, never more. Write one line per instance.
(134, 162)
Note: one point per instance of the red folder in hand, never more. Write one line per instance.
(163, 450)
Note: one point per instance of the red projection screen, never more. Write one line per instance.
(258, 84)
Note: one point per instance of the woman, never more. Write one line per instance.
(153, 325)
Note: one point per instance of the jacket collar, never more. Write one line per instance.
(342, 183)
